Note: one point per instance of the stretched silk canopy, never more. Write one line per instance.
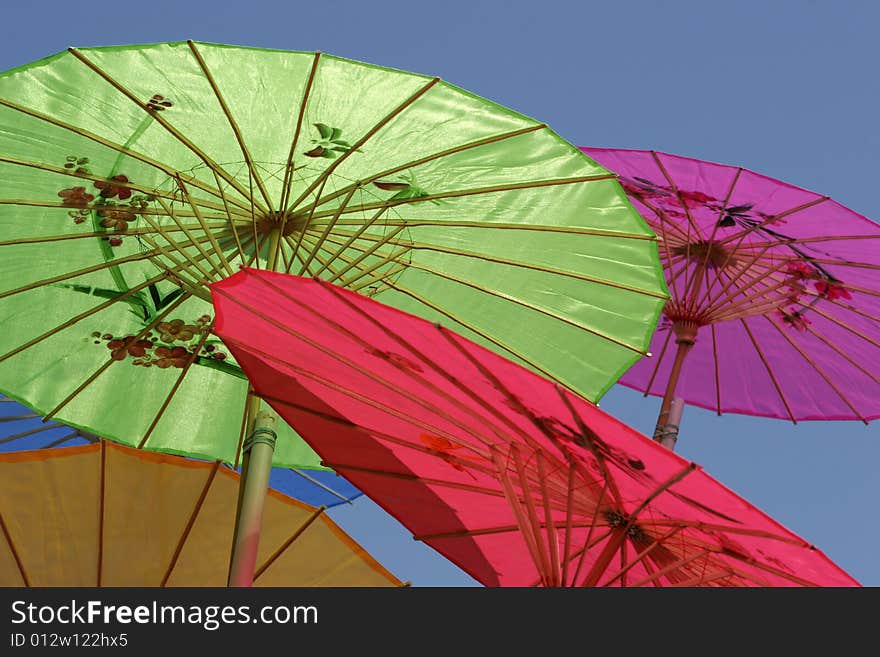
(775, 291)
(107, 515)
(517, 480)
(135, 176)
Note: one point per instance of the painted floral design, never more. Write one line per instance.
(172, 357)
(115, 187)
(405, 187)
(159, 350)
(794, 319)
(130, 345)
(159, 103)
(116, 217)
(114, 203)
(75, 197)
(330, 144)
(177, 330)
(831, 290)
(448, 451)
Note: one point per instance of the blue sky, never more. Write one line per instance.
(789, 89)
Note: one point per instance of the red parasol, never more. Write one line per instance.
(515, 479)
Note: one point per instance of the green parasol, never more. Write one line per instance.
(134, 176)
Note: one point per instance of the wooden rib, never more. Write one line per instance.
(195, 182)
(616, 539)
(589, 542)
(569, 497)
(658, 362)
(660, 220)
(434, 156)
(693, 300)
(550, 530)
(670, 567)
(640, 556)
(196, 243)
(62, 440)
(804, 206)
(470, 327)
(730, 529)
(675, 189)
(493, 225)
(840, 262)
(527, 531)
(690, 219)
(82, 316)
(15, 555)
(476, 191)
(704, 579)
(158, 118)
(709, 300)
(295, 256)
(377, 278)
(102, 484)
(417, 297)
(134, 232)
(189, 524)
(766, 568)
(314, 516)
(29, 432)
(308, 219)
(663, 487)
(61, 205)
(16, 418)
(733, 303)
(179, 247)
(840, 323)
(232, 124)
(349, 242)
(327, 228)
(368, 252)
(821, 372)
(168, 398)
(288, 169)
(587, 434)
(423, 246)
(717, 371)
(532, 515)
(73, 173)
(525, 304)
(769, 370)
(149, 327)
(231, 222)
(875, 378)
(322, 486)
(205, 228)
(809, 240)
(360, 142)
(79, 272)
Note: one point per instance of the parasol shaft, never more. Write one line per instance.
(666, 431)
(259, 448)
(255, 471)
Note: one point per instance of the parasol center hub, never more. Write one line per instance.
(711, 252)
(685, 331)
(279, 221)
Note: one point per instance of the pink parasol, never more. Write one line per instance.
(515, 479)
(775, 292)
